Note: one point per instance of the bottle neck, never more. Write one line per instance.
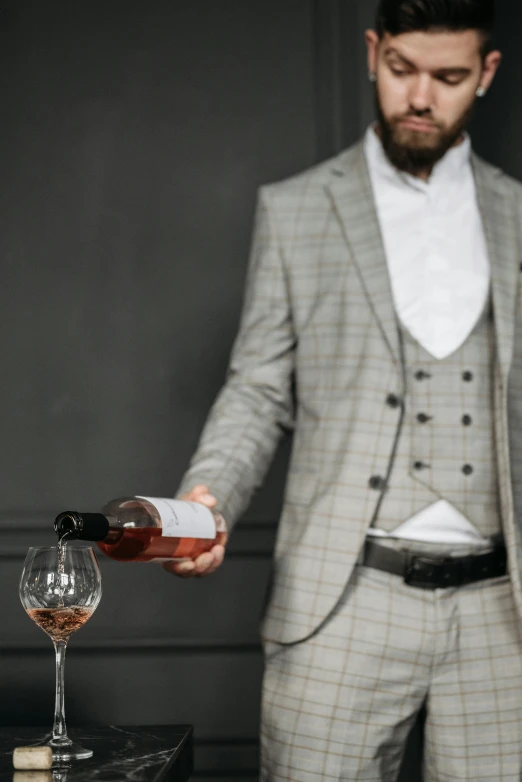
(81, 526)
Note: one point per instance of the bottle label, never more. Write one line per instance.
(181, 519)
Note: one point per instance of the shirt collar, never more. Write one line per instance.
(449, 169)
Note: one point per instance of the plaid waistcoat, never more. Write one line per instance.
(447, 445)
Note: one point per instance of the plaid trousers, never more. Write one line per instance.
(340, 705)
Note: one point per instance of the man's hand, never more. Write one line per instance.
(209, 561)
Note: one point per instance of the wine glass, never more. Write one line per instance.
(60, 588)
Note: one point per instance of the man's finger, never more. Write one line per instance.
(218, 555)
(200, 493)
(203, 562)
(198, 488)
(180, 568)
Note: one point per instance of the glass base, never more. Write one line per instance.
(65, 750)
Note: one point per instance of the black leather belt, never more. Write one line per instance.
(427, 572)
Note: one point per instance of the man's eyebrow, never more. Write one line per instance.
(391, 51)
(453, 71)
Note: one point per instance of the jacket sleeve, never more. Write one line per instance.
(255, 405)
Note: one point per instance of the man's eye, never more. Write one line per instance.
(450, 80)
(399, 72)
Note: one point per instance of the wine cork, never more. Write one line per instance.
(32, 776)
(26, 758)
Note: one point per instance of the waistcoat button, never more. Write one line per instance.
(422, 375)
(392, 400)
(466, 420)
(467, 376)
(422, 418)
(376, 482)
(467, 469)
(419, 465)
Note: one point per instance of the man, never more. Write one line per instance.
(382, 323)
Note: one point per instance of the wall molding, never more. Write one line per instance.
(338, 50)
(115, 646)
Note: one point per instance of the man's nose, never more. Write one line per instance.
(421, 94)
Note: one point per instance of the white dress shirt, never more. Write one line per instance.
(440, 275)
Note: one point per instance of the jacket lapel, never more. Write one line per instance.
(352, 198)
(497, 207)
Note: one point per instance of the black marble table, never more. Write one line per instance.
(121, 754)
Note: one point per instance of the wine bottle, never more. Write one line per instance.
(146, 529)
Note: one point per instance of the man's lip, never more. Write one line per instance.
(416, 124)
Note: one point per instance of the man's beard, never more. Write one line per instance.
(414, 151)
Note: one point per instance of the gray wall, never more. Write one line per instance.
(132, 141)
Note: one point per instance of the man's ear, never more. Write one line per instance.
(489, 69)
(372, 43)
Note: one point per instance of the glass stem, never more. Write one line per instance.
(59, 729)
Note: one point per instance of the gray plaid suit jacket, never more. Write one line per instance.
(318, 352)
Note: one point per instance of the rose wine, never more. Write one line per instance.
(59, 623)
(147, 544)
(147, 529)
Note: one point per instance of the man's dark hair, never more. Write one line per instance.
(407, 16)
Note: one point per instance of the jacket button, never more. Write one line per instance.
(392, 400)
(419, 465)
(422, 418)
(376, 482)
(467, 469)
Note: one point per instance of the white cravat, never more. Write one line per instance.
(439, 274)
